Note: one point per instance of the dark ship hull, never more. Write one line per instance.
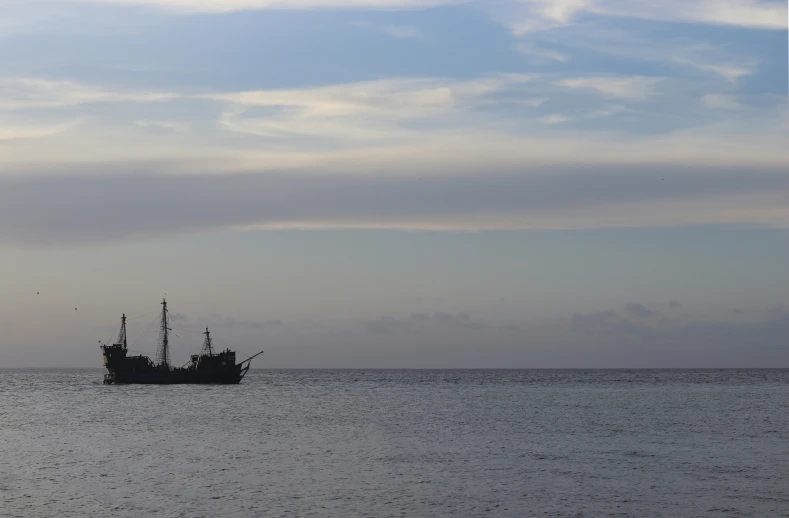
(178, 377)
(208, 367)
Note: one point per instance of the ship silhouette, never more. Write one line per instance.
(207, 367)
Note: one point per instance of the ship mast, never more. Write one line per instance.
(163, 354)
(208, 347)
(122, 334)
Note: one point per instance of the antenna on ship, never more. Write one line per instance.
(163, 354)
(208, 347)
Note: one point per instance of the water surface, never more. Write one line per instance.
(398, 443)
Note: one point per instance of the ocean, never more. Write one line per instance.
(392, 443)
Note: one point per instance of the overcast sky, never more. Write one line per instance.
(397, 183)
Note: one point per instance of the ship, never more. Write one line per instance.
(209, 366)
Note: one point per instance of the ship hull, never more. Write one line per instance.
(175, 378)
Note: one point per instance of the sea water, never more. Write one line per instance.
(381, 443)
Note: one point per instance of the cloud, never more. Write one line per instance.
(721, 101)
(755, 14)
(74, 208)
(224, 6)
(403, 32)
(731, 72)
(369, 110)
(396, 97)
(634, 88)
(30, 131)
(674, 304)
(527, 16)
(608, 111)
(521, 16)
(541, 54)
(533, 103)
(495, 120)
(554, 118)
(682, 50)
(162, 125)
(639, 310)
(33, 93)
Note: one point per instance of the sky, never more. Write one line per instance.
(397, 183)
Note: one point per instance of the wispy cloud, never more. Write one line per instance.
(635, 88)
(358, 111)
(558, 118)
(758, 14)
(730, 72)
(406, 123)
(680, 50)
(554, 118)
(534, 103)
(29, 131)
(606, 111)
(528, 16)
(403, 32)
(30, 93)
(391, 96)
(225, 6)
(164, 125)
(542, 54)
(724, 101)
